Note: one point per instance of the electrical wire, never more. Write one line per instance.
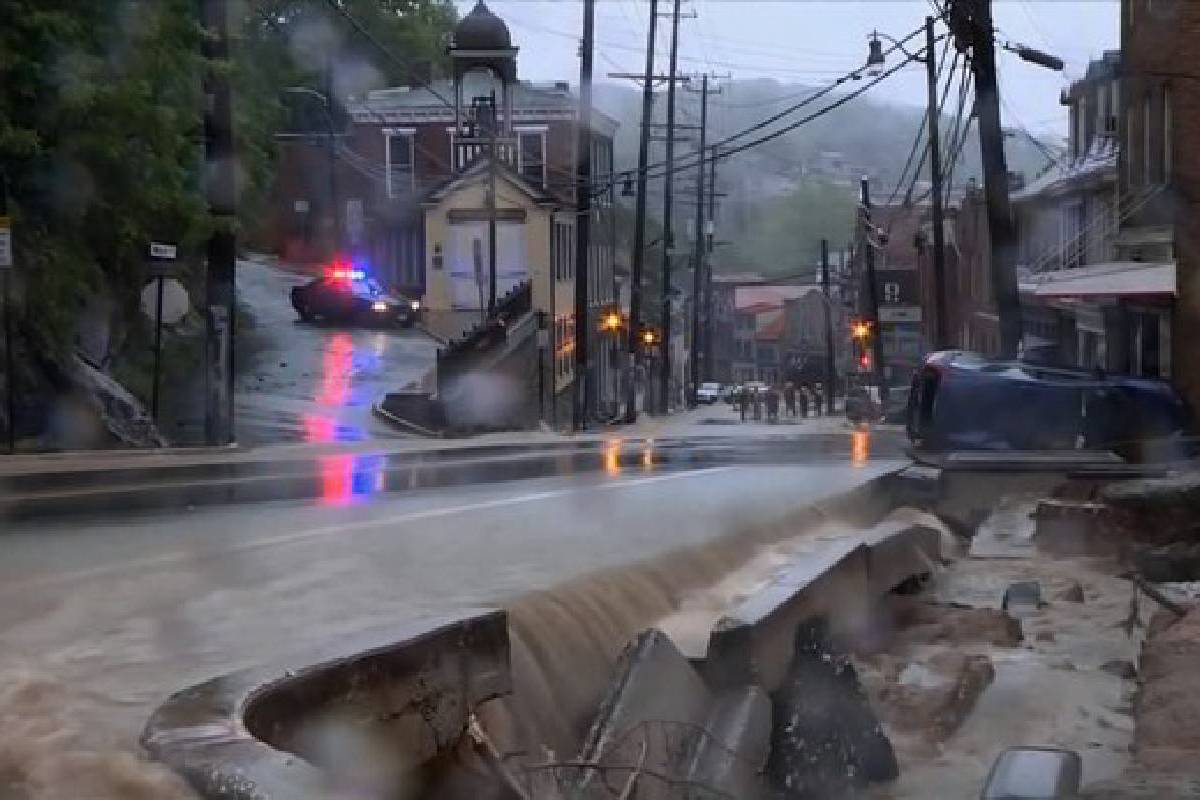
(923, 124)
(719, 150)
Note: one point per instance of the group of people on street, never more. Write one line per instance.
(751, 401)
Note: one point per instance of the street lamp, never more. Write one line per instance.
(333, 193)
(875, 61)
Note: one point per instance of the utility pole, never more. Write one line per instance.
(221, 188)
(334, 203)
(876, 333)
(971, 22)
(830, 375)
(583, 202)
(492, 122)
(698, 260)
(664, 377)
(709, 352)
(940, 335)
(639, 226)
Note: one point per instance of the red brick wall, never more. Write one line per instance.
(1159, 45)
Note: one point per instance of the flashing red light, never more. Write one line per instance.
(864, 361)
(343, 270)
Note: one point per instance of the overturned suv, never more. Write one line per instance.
(964, 401)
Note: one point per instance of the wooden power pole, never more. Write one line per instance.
(583, 205)
(971, 23)
(221, 188)
(664, 377)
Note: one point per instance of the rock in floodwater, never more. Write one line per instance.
(1156, 510)
(1179, 561)
(1071, 594)
(826, 740)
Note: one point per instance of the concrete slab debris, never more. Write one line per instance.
(826, 739)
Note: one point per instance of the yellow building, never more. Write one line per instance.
(534, 244)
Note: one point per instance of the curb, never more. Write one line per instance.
(405, 424)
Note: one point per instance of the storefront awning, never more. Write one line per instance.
(1117, 279)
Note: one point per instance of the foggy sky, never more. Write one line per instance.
(811, 42)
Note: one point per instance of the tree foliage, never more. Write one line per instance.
(98, 139)
(101, 127)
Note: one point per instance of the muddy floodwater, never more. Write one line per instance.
(100, 622)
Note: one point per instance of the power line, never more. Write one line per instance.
(923, 124)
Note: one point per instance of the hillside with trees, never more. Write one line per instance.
(782, 197)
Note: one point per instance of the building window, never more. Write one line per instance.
(1168, 143)
(531, 154)
(399, 157)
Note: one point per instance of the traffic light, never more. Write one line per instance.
(864, 361)
(860, 329)
(610, 320)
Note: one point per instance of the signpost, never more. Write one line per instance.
(162, 264)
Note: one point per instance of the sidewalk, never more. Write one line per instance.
(717, 421)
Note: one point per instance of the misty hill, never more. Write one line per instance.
(784, 195)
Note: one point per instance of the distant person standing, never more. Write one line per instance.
(818, 396)
(789, 399)
(803, 398)
(756, 399)
(772, 404)
(743, 401)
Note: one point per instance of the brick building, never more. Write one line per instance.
(412, 175)
(1160, 162)
(898, 283)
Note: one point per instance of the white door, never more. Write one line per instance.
(460, 264)
(469, 238)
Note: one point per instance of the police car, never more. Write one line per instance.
(346, 294)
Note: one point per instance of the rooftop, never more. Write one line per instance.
(1096, 166)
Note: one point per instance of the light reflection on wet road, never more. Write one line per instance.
(311, 382)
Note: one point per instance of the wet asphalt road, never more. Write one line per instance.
(302, 382)
(133, 607)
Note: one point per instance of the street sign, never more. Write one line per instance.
(899, 313)
(175, 301)
(162, 251)
(6, 259)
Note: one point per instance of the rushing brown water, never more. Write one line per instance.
(566, 640)
(55, 742)
(54, 747)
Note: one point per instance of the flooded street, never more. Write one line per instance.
(122, 612)
(312, 382)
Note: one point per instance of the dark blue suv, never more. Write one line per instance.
(964, 401)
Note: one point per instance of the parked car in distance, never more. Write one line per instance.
(708, 392)
(964, 401)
